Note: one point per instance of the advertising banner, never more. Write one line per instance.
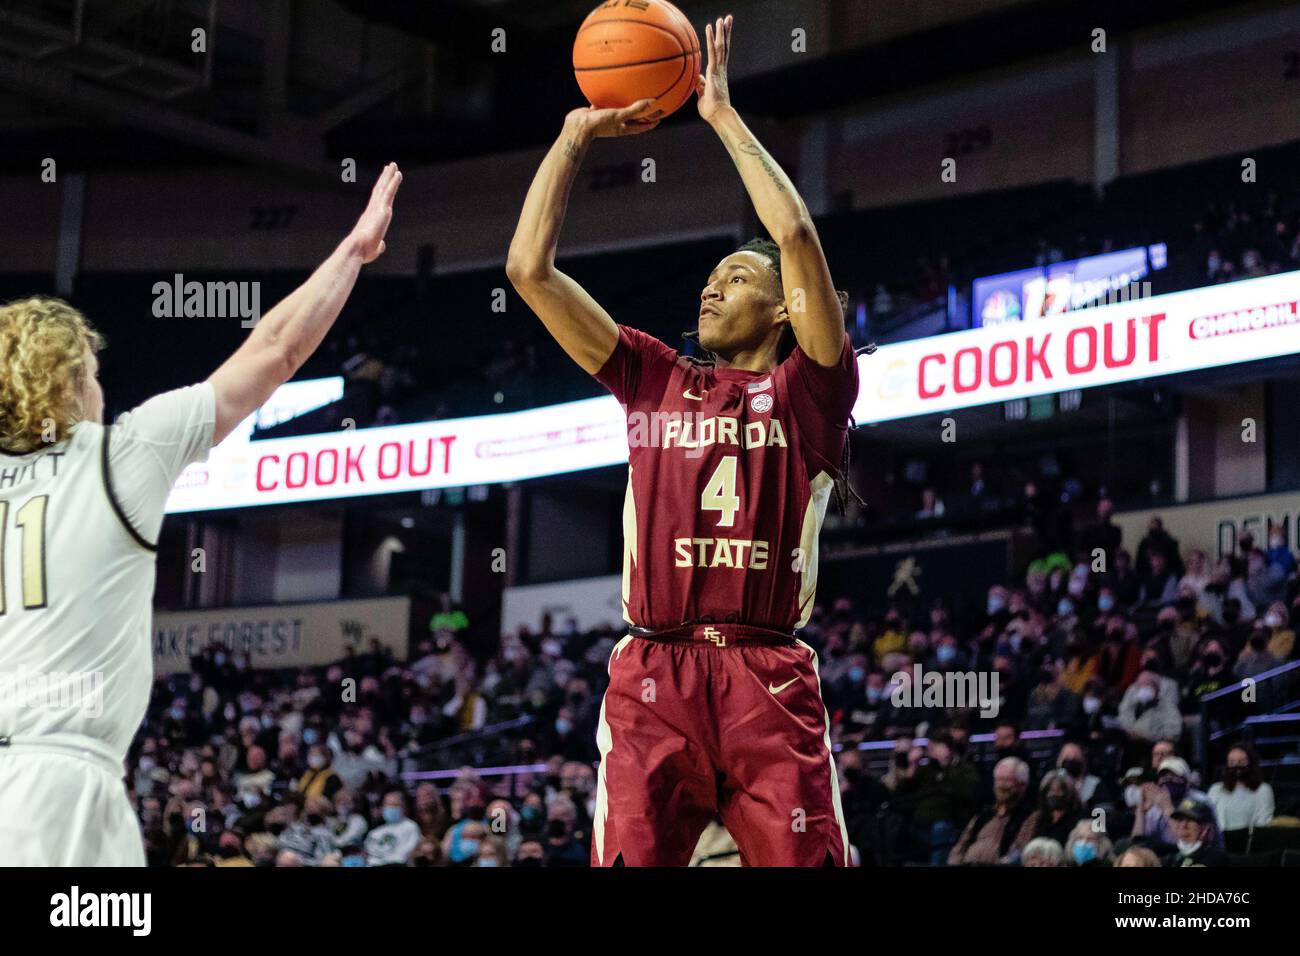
(286, 635)
(1121, 342)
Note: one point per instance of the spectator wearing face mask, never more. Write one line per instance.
(1153, 823)
(563, 846)
(531, 855)
(947, 656)
(145, 765)
(532, 818)
(394, 842)
(1088, 848)
(1208, 673)
(1093, 791)
(1148, 711)
(230, 851)
(1194, 831)
(1281, 638)
(492, 852)
(320, 779)
(307, 834)
(863, 716)
(999, 833)
(1059, 807)
(1242, 799)
(461, 843)
(1094, 706)
(1105, 600)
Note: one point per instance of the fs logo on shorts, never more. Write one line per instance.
(714, 635)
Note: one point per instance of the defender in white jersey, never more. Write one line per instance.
(81, 506)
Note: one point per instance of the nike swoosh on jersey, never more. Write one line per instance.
(694, 398)
(777, 690)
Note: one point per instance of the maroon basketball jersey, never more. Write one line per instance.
(729, 475)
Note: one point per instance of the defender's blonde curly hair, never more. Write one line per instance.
(43, 345)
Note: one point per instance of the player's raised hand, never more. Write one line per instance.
(369, 232)
(711, 90)
(605, 122)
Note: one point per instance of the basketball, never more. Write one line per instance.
(630, 50)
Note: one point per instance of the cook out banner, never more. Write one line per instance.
(1163, 335)
(1201, 328)
(284, 635)
(375, 461)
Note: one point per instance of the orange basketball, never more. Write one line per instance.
(629, 50)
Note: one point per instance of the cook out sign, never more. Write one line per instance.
(1180, 332)
(384, 461)
(484, 449)
(1218, 325)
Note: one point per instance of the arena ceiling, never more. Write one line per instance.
(292, 84)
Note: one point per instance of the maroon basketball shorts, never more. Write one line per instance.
(721, 721)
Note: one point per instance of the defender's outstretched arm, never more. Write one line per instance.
(819, 323)
(281, 342)
(575, 320)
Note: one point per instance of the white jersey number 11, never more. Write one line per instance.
(30, 519)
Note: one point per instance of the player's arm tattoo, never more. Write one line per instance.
(572, 150)
(750, 147)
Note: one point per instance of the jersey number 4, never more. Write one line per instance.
(30, 520)
(720, 493)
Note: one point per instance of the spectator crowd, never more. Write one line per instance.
(1102, 657)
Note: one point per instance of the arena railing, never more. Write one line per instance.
(1226, 716)
(474, 748)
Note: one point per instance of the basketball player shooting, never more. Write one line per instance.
(713, 708)
(81, 505)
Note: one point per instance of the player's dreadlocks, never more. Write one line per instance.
(844, 491)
